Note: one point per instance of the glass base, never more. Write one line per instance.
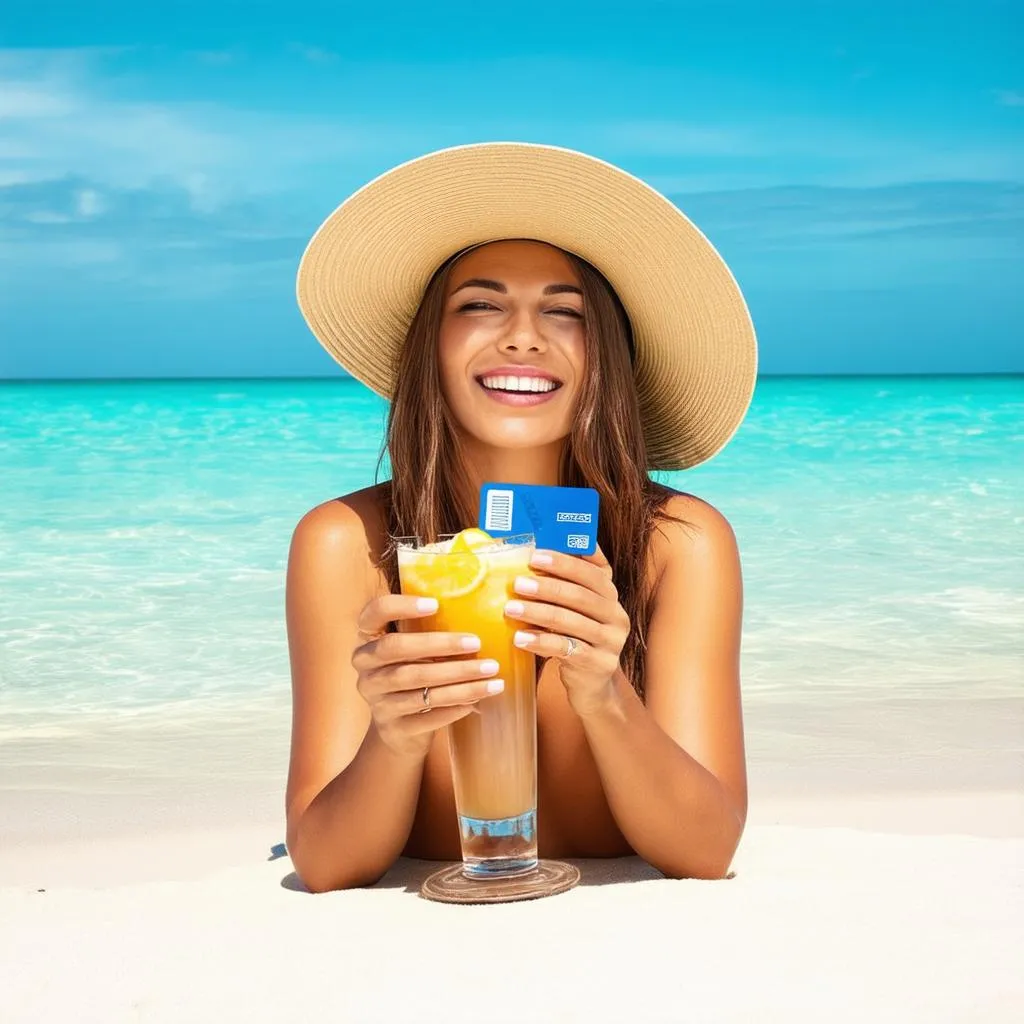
(499, 847)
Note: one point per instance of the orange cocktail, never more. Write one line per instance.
(494, 751)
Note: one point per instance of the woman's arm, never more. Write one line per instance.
(674, 770)
(351, 799)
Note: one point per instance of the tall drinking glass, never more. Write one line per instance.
(493, 752)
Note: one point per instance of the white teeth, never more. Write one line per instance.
(518, 384)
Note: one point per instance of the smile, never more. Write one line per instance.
(518, 389)
(504, 383)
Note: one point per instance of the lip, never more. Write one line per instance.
(520, 398)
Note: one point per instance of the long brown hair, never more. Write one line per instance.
(605, 449)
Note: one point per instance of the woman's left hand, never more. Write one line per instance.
(581, 623)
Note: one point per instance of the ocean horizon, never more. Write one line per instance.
(146, 526)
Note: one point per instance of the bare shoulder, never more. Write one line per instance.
(347, 532)
(693, 533)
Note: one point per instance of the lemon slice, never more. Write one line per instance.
(445, 575)
(470, 540)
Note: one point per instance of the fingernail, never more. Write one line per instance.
(524, 639)
(488, 667)
(495, 685)
(470, 643)
(515, 608)
(524, 585)
(541, 559)
(426, 604)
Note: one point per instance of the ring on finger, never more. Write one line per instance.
(572, 645)
(426, 699)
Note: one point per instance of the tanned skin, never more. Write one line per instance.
(369, 776)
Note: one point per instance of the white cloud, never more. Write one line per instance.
(88, 203)
(135, 186)
(52, 127)
(58, 118)
(13, 177)
(773, 151)
(154, 237)
(987, 216)
(63, 114)
(23, 100)
(47, 217)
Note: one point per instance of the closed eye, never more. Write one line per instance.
(479, 304)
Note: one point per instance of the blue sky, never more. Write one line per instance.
(859, 165)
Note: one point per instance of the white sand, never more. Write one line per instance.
(819, 923)
(897, 902)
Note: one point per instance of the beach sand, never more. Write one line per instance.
(879, 878)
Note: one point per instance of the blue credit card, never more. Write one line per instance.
(561, 518)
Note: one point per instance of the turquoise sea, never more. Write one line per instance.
(144, 531)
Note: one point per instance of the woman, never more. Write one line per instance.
(450, 284)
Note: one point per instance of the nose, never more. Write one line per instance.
(523, 335)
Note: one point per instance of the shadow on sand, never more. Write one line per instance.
(409, 874)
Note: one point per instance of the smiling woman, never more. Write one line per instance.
(509, 354)
(528, 309)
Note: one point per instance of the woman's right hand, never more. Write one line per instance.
(410, 694)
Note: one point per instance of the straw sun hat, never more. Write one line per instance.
(364, 272)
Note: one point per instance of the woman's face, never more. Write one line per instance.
(511, 344)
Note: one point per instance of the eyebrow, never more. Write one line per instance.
(497, 286)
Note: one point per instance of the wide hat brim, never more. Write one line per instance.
(364, 272)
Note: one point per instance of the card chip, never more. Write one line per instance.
(498, 514)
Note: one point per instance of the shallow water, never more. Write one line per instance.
(144, 531)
